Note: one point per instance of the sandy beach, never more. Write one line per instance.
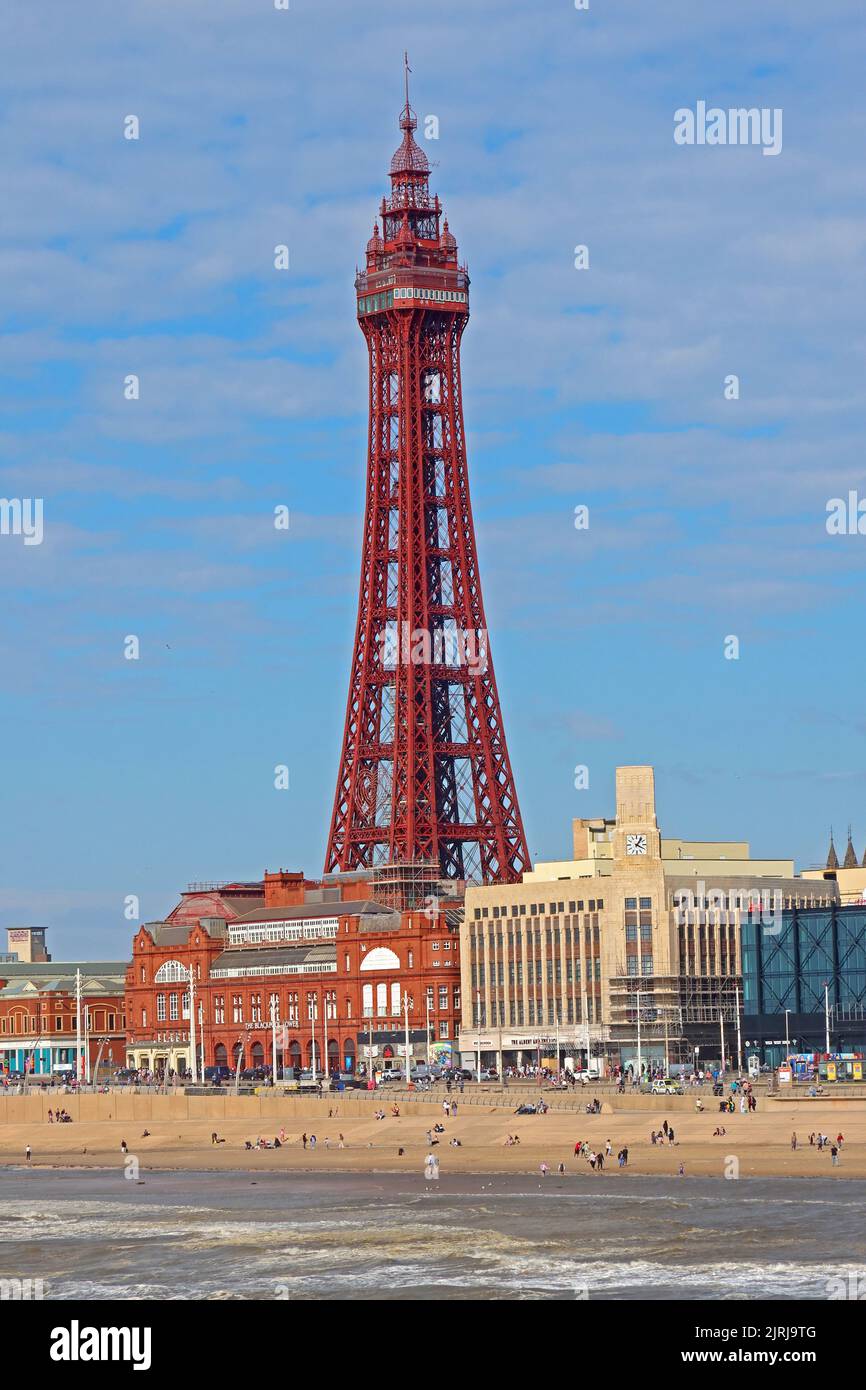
(753, 1145)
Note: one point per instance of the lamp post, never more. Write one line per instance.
(787, 1037)
(722, 1034)
(478, 1040)
(87, 1046)
(273, 1041)
(826, 1018)
(406, 1025)
(313, 1034)
(192, 1038)
(78, 1057)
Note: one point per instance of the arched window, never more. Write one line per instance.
(395, 996)
(381, 958)
(170, 972)
(367, 1001)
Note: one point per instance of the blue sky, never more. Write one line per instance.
(601, 387)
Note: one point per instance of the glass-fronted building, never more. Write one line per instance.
(788, 962)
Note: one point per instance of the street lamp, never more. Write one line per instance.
(406, 1023)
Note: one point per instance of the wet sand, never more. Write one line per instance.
(756, 1145)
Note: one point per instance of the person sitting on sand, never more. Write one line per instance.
(277, 1144)
(395, 1111)
(51, 1117)
(455, 1144)
(123, 1147)
(145, 1134)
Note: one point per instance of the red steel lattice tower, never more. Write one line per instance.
(424, 772)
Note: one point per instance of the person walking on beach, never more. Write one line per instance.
(599, 1162)
(561, 1170)
(304, 1140)
(577, 1148)
(794, 1140)
(342, 1142)
(446, 1109)
(834, 1155)
(124, 1149)
(665, 1129)
(840, 1139)
(671, 1136)
(453, 1109)
(312, 1141)
(28, 1153)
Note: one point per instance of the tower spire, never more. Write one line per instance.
(850, 860)
(406, 72)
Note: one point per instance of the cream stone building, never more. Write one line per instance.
(635, 934)
(849, 876)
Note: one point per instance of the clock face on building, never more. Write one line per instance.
(635, 844)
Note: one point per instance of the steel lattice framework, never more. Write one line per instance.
(424, 772)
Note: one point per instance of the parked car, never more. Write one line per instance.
(666, 1087)
(391, 1074)
(218, 1074)
(489, 1074)
(255, 1074)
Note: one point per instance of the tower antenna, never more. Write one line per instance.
(406, 73)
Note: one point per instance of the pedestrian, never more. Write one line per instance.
(446, 1107)
(544, 1170)
(561, 1170)
(453, 1109)
(342, 1142)
(304, 1140)
(28, 1152)
(123, 1148)
(840, 1139)
(608, 1147)
(600, 1162)
(665, 1129)
(834, 1155)
(312, 1141)
(671, 1135)
(681, 1171)
(794, 1140)
(625, 1155)
(577, 1148)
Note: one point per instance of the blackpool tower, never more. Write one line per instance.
(424, 773)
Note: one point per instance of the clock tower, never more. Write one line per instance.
(636, 838)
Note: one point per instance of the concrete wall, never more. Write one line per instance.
(87, 1109)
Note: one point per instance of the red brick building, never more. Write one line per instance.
(335, 961)
(38, 1017)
